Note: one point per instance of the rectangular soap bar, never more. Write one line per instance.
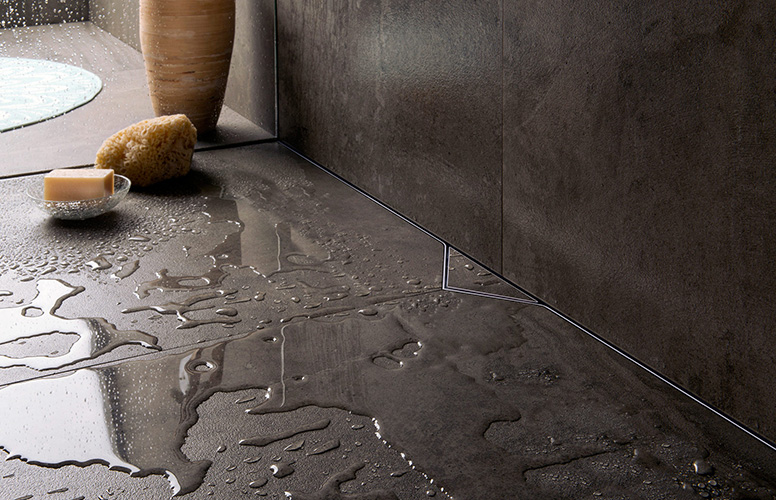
(77, 184)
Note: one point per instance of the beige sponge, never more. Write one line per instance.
(150, 151)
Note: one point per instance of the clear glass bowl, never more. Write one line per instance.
(81, 209)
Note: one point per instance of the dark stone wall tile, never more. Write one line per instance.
(251, 89)
(120, 18)
(402, 98)
(639, 142)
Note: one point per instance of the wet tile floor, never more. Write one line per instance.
(260, 329)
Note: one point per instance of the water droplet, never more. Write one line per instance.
(265, 440)
(335, 296)
(295, 446)
(702, 467)
(200, 366)
(99, 263)
(258, 483)
(282, 469)
(325, 447)
(127, 270)
(387, 362)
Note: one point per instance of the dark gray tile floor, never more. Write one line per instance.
(262, 329)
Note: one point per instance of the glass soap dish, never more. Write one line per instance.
(81, 209)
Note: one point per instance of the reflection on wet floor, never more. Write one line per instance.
(314, 346)
(36, 319)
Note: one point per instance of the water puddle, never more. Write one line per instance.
(127, 270)
(100, 263)
(331, 489)
(261, 242)
(38, 318)
(247, 239)
(84, 417)
(325, 447)
(224, 316)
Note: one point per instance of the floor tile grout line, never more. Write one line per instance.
(708, 406)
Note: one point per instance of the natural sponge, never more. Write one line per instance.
(150, 151)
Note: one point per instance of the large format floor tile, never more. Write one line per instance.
(260, 328)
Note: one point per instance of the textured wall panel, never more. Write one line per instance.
(402, 98)
(639, 184)
(119, 18)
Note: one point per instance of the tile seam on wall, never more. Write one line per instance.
(503, 132)
(276, 132)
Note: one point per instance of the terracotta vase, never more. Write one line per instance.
(187, 48)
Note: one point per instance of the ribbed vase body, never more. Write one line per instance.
(187, 48)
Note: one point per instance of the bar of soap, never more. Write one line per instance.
(77, 184)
